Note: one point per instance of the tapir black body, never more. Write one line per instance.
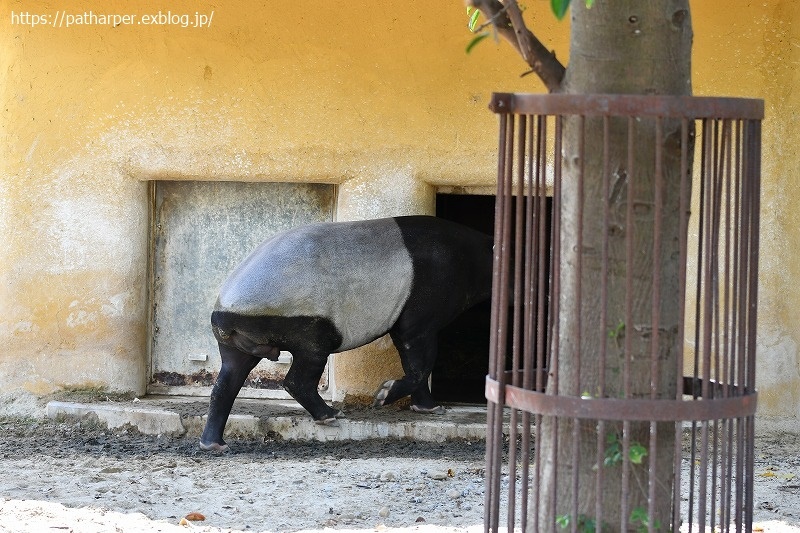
(331, 287)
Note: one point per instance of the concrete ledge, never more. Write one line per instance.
(156, 421)
(291, 428)
(147, 421)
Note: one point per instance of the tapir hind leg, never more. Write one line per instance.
(301, 382)
(417, 355)
(236, 365)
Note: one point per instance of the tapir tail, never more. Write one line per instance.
(231, 337)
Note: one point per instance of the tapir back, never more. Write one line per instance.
(357, 275)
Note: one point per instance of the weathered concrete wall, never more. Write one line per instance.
(378, 98)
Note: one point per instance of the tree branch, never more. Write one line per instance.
(507, 19)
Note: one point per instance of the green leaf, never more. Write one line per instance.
(473, 20)
(589, 4)
(638, 515)
(613, 455)
(615, 332)
(640, 519)
(478, 38)
(637, 453)
(588, 525)
(559, 7)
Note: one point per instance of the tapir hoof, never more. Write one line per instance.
(382, 393)
(438, 410)
(331, 420)
(213, 447)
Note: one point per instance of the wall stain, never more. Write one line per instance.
(204, 378)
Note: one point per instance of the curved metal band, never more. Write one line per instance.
(634, 409)
(689, 107)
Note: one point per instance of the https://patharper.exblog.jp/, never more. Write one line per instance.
(71, 19)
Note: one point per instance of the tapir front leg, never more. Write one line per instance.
(236, 365)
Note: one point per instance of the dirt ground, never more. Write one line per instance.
(79, 478)
(73, 476)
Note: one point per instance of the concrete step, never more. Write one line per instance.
(171, 415)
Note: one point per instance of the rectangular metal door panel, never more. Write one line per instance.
(202, 230)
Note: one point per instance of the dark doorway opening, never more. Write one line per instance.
(459, 375)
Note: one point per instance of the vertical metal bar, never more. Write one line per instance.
(491, 442)
(715, 327)
(709, 252)
(541, 347)
(528, 362)
(701, 262)
(754, 205)
(729, 262)
(601, 392)
(705, 298)
(542, 267)
(683, 211)
(628, 349)
(516, 315)
(743, 441)
(655, 315)
(738, 353)
(719, 255)
(741, 353)
(502, 324)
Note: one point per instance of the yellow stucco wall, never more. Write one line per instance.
(366, 94)
(753, 50)
(377, 97)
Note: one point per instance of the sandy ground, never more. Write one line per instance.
(68, 476)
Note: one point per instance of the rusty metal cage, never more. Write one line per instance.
(623, 329)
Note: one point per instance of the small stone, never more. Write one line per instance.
(454, 494)
(384, 512)
(419, 519)
(438, 476)
(388, 476)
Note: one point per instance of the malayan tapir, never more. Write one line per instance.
(330, 287)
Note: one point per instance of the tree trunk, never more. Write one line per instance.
(620, 47)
